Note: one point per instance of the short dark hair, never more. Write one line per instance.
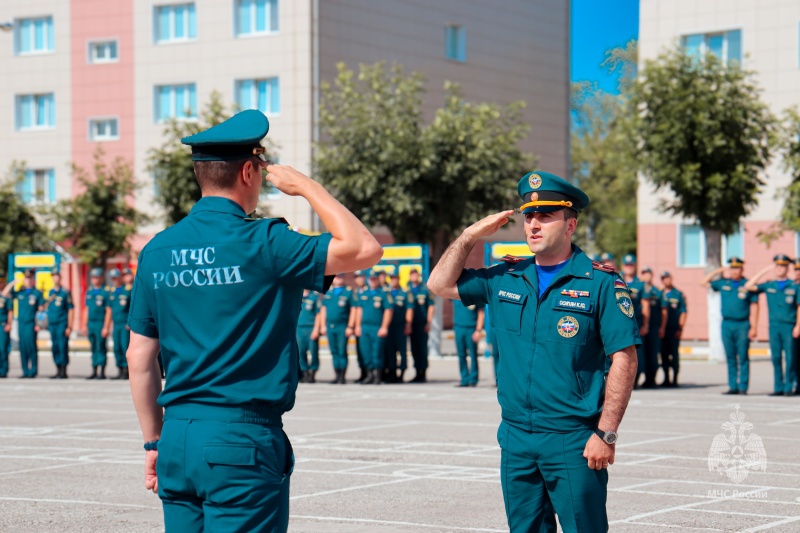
(220, 175)
(570, 213)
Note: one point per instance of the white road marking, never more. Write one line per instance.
(394, 523)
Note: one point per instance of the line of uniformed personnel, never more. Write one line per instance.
(382, 318)
(105, 311)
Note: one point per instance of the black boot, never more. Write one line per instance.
(127, 374)
(312, 376)
(370, 378)
(401, 377)
(57, 374)
(674, 379)
(102, 373)
(94, 373)
(666, 382)
(338, 373)
(63, 372)
(363, 376)
(120, 373)
(378, 377)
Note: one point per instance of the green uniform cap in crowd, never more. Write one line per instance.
(594, 257)
(239, 137)
(736, 262)
(781, 259)
(796, 264)
(629, 259)
(114, 273)
(358, 273)
(127, 271)
(543, 192)
(666, 274)
(96, 272)
(606, 256)
(647, 269)
(29, 272)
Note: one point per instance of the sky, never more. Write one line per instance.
(596, 26)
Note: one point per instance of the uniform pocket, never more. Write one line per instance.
(510, 305)
(229, 454)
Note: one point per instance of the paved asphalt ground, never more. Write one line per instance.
(398, 458)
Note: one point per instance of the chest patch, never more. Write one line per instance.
(509, 296)
(568, 327)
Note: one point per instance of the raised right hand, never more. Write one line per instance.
(286, 179)
(489, 225)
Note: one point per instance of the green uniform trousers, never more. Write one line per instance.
(98, 344)
(396, 343)
(543, 473)
(362, 363)
(304, 345)
(122, 339)
(652, 344)
(224, 469)
(372, 347)
(782, 342)
(28, 351)
(60, 343)
(670, 351)
(467, 349)
(337, 341)
(737, 350)
(5, 350)
(419, 346)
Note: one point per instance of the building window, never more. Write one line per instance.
(726, 45)
(103, 52)
(733, 245)
(103, 129)
(175, 23)
(38, 186)
(34, 35)
(175, 101)
(255, 17)
(691, 246)
(455, 43)
(35, 111)
(263, 95)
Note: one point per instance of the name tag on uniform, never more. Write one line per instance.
(771, 290)
(509, 296)
(726, 288)
(574, 305)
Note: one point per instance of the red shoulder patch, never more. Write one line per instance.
(512, 259)
(604, 268)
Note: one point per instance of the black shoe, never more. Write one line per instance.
(776, 393)
(338, 376)
(312, 377)
(126, 372)
(120, 374)
(363, 376)
(94, 373)
(743, 392)
(462, 385)
(401, 376)
(789, 393)
(377, 375)
(3, 376)
(731, 391)
(369, 379)
(57, 375)
(473, 384)
(102, 373)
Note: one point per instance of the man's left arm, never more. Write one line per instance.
(681, 317)
(145, 382)
(431, 312)
(476, 335)
(644, 330)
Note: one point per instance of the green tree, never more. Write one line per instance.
(790, 147)
(704, 135)
(171, 162)
(97, 223)
(423, 182)
(601, 157)
(22, 231)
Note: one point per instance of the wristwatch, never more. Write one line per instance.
(609, 437)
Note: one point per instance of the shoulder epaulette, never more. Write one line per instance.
(604, 268)
(512, 259)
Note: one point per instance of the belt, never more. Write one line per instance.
(249, 414)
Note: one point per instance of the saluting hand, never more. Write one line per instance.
(599, 454)
(286, 179)
(489, 225)
(150, 477)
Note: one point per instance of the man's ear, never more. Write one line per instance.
(245, 173)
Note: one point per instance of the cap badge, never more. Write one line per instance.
(535, 181)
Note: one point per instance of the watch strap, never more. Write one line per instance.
(151, 446)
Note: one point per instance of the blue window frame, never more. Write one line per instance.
(34, 35)
(38, 186)
(455, 43)
(255, 17)
(175, 101)
(725, 45)
(175, 23)
(691, 246)
(35, 111)
(263, 95)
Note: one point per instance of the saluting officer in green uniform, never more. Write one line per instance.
(338, 317)
(219, 293)
(396, 341)
(6, 318)
(557, 318)
(59, 322)
(784, 322)
(651, 341)
(373, 316)
(120, 300)
(97, 322)
(308, 336)
(673, 319)
(739, 321)
(29, 302)
(420, 309)
(641, 306)
(468, 327)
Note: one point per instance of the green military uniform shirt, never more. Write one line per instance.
(337, 302)
(400, 299)
(551, 375)
(120, 301)
(636, 288)
(419, 299)
(28, 303)
(59, 303)
(465, 316)
(6, 305)
(309, 309)
(782, 300)
(675, 303)
(653, 295)
(96, 302)
(373, 302)
(222, 293)
(735, 299)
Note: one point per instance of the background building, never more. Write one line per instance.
(763, 35)
(80, 73)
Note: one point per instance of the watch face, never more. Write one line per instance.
(610, 437)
